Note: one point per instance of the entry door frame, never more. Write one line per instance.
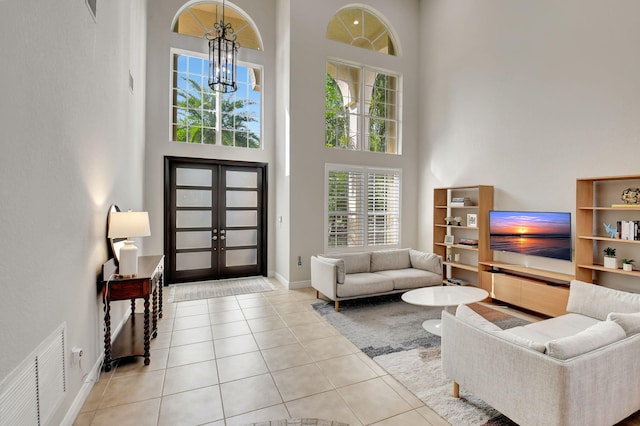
(169, 211)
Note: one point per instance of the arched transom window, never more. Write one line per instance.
(359, 27)
(198, 18)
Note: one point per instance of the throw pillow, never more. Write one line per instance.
(594, 337)
(471, 317)
(354, 263)
(630, 323)
(426, 261)
(386, 260)
(596, 301)
(519, 340)
(340, 267)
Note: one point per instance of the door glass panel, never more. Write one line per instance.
(242, 218)
(245, 237)
(193, 219)
(193, 239)
(242, 257)
(237, 179)
(242, 199)
(193, 198)
(197, 260)
(193, 177)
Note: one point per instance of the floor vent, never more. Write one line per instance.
(32, 393)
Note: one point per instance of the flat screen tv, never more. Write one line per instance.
(544, 234)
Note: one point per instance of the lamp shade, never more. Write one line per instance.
(129, 224)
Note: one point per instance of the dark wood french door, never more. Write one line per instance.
(215, 219)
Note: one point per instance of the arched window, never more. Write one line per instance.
(359, 27)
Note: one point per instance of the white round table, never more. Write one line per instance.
(445, 296)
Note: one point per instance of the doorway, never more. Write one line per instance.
(215, 219)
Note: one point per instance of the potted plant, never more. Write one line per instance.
(610, 258)
(627, 264)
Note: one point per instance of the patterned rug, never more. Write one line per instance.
(390, 332)
(218, 288)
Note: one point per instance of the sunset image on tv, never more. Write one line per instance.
(546, 234)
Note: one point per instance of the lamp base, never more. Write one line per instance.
(128, 262)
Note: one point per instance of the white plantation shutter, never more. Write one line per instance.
(363, 207)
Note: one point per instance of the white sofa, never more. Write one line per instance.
(355, 275)
(582, 368)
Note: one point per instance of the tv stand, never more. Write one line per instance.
(534, 289)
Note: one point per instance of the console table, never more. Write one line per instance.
(134, 337)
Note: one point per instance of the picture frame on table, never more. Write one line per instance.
(449, 239)
(472, 220)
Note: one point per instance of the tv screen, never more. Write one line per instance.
(544, 234)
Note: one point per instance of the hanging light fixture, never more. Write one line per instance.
(223, 49)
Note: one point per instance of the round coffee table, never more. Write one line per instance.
(445, 296)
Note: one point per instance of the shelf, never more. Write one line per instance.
(471, 268)
(525, 270)
(457, 207)
(617, 209)
(459, 246)
(601, 268)
(456, 226)
(607, 239)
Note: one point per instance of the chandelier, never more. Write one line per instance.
(223, 49)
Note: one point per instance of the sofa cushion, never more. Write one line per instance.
(426, 261)
(404, 279)
(597, 301)
(555, 328)
(340, 267)
(630, 323)
(594, 337)
(353, 262)
(364, 283)
(474, 319)
(385, 260)
(520, 341)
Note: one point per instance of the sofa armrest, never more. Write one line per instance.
(324, 277)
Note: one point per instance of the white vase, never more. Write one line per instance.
(627, 267)
(610, 262)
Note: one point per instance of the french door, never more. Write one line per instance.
(215, 219)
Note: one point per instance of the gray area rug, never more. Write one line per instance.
(218, 288)
(390, 332)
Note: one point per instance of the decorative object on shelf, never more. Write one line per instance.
(456, 257)
(631, 196)
(449, 220)
(627, 264)
(126, 225)
(472, 220)
(613, 232)
(223, 49)
(458, 220)
(449, 239)
(610, 261)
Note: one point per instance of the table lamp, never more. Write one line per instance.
(126, 225)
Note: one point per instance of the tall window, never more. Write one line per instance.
(361, 108)
(200, 115)
(359, 27)
(363, 207)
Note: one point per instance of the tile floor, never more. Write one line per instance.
(250, 358)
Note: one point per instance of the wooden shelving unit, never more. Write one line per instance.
(594, 200)
(471, 257)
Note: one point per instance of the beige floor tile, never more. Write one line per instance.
(234, 345)
(346, 370)
(132, 388)
(229, 304)
(259, 312)
(241, 366)
(223, 317)
(192, 407)
(287, 356)
(373, 400)
(190, 377)
(298, 382)
(195, 321)
(312, 331)
(165, 325)
(190, 303)
(292, 307)
(84, 419)
(250, 394)
(230, 329)
(327, 405)
(432, 417)
(372, 364)
(135, 365)
(191, 335)
(407, 395)
(162, 340)
(412, 418)
(274, 412)
(299, 318)
(274, 338)
(265, 324)
(189, 354)
(253, 302)
(92, 402)
(188, 311)
(141, 413)
(328, 347)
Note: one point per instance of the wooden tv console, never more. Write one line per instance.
(534, 289)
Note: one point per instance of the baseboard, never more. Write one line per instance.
(84, 392)
(299, 284)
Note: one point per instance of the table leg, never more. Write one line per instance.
(107, 335)
(147, 345)
(434, 326)
(154, 328)
(160, 285)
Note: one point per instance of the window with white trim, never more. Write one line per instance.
(195, 118)
(363, 207)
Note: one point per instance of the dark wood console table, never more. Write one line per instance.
(134, 337)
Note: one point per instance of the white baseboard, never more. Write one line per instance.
(84, 392)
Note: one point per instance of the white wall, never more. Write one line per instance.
(72, 144)
(527, 96)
